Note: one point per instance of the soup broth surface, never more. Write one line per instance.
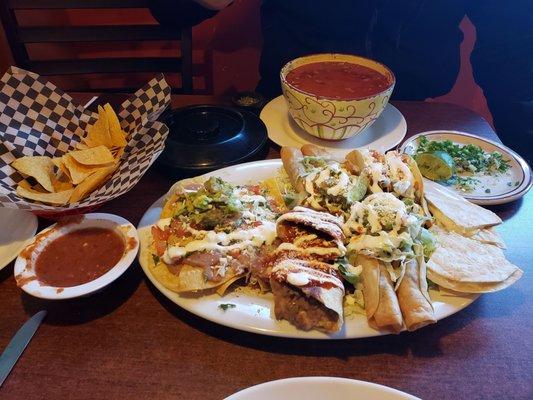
(337, 80)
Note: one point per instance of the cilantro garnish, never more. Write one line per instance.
(226, 306)
(468, 158)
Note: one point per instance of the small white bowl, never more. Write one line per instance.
(25, 273)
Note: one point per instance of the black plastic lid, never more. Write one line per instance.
(204, 138)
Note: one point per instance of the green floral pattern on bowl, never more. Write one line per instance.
(332, 119)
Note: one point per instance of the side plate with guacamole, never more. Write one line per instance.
(482, 171)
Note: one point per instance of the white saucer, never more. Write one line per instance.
(384, 134)
(320, 387)
(17, 229)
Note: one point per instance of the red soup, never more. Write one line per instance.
(337, 80)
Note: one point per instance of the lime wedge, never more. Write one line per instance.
(436, 166)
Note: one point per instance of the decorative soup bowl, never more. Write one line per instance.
(335, 96)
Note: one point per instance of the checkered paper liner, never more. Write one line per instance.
(37, 118)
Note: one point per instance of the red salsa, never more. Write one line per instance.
(79, 257)
(337, 80)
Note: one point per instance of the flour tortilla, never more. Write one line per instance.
(315, 151)
(381, 303)
(489, 236)
(320, 221)
(466, 287)
(456, 213)
(413, 296)
(292, 159)
(330, 297)
(461, 259)
(418, 182)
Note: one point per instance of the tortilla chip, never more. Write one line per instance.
(94, 156)
(117, 153)
(25, 184)
(81, 146)
(92, 182)
(39, 167)
(221, 290)
(78, 172)
(61, 183)
(168, 208)
(272, 187)
(98, 134)
(467, 287)
(58, 162)
(455, 212)
(462, 259)
(117, 134)
(58, 198)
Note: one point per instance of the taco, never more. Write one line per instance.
(211, 234)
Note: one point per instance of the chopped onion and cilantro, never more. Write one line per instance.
(468, 160)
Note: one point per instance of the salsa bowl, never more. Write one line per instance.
(68, 276)
(337, 117)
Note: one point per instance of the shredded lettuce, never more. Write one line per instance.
(348, 272)
(428, 242)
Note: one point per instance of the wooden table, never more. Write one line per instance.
(130, 342)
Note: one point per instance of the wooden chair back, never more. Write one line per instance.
(20, 36)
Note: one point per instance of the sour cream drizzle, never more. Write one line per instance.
(220, 241)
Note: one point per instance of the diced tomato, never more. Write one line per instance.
(160, 239)
(178, 228)
(160, 247)
(255, 189)
(234, 253)
(255, 224)
(160, 234)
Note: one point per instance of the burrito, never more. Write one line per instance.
(309, 294)
(309, 234)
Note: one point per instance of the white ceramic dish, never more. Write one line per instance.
(519, 175)
(17, 229)
(24, 272)
(319, 388)
(384, 134)
(253, 312)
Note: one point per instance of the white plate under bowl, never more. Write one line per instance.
(32, 286)
(17, 227)
(519, 171)
(384, 134)
(319, 388)
(254, 312)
